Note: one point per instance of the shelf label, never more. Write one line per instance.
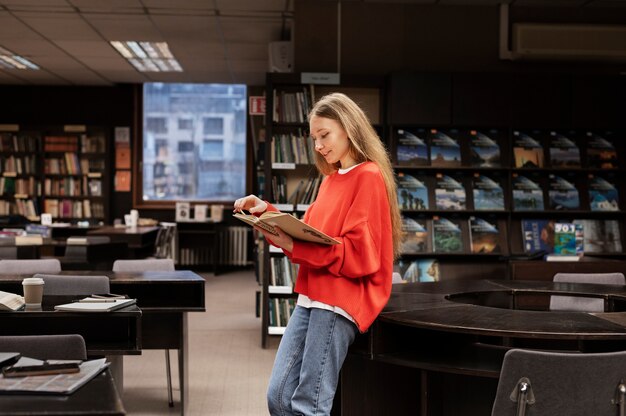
(20, 196)
(302, 207)
(74, 128)
(94, 175)
(284, 166)
(9, 174)
(256, 105)
(327, 78)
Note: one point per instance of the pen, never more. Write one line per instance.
(96, 300)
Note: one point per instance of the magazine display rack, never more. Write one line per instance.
(494, 193)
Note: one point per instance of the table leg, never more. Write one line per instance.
(117, 371)
(183, 365)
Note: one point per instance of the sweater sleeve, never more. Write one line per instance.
(359, 253)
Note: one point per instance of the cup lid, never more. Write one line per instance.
(33, 281)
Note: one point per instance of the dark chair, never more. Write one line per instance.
(538, 383)
(151, 265)
(58, 285)
(30, 266)
(582, 304)
(46, 347)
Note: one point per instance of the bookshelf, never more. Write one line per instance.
(291, 178)
(20, 164)
(76, 166)
(63, 171)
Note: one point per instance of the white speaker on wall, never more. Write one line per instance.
(280, 56)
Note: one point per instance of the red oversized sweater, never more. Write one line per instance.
(355, 275)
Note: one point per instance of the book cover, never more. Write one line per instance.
(488, 194)
(444, 150)
(414, 236)
(565, 239)
(527, 151)
(422, 270)
(484, 236)
(289, 224)
(412, 193)
(411, 149)
(564, 153)
(449, 193)
(603, 195)
(484, 150)
(538, 235)
(447, 236)
(562, 194)
(601, 152)
(601, 236)
(527, 194)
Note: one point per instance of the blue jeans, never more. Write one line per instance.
(308, 361)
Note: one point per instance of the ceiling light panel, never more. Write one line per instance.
(148, 56)
(11, 60)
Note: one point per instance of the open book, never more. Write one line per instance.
(10, 301)
(289, 224)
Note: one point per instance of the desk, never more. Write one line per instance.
(105, 333)
(164, 298)
(140, 240)
(98, 397)
(437, 348)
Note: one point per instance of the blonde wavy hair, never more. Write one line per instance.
(365, 145)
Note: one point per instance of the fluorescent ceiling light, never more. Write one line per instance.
(148, 56)
(10, 60)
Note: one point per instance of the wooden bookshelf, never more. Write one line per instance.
(291, 178)
(63, 171)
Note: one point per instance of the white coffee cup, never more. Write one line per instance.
(33, 291)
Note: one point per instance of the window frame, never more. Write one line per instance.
(137, 161)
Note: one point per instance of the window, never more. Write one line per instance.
(202, 156)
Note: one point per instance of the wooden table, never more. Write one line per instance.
(437, 348)
(98, 397)
(165, 298)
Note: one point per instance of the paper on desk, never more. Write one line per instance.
(52, 384)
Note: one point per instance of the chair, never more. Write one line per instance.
(58, 285)
(541, 383)
(46, 347)
(582, 304)
(151, 265)
(30, 266)
(144, 265)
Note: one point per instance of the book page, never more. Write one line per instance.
(296, 228)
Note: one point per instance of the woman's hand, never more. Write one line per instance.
(281, 240)
(250, 203)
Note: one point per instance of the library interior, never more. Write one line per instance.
(427, 191)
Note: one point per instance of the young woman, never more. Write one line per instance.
(342, 288)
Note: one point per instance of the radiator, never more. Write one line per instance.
(233, 246)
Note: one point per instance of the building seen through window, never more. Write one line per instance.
(194, 141)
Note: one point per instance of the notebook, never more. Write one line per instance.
(95, 306)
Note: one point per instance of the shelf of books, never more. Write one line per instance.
(291, 178)
(75, 170)
(20, 183)
(480, 194)
(64, 174)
